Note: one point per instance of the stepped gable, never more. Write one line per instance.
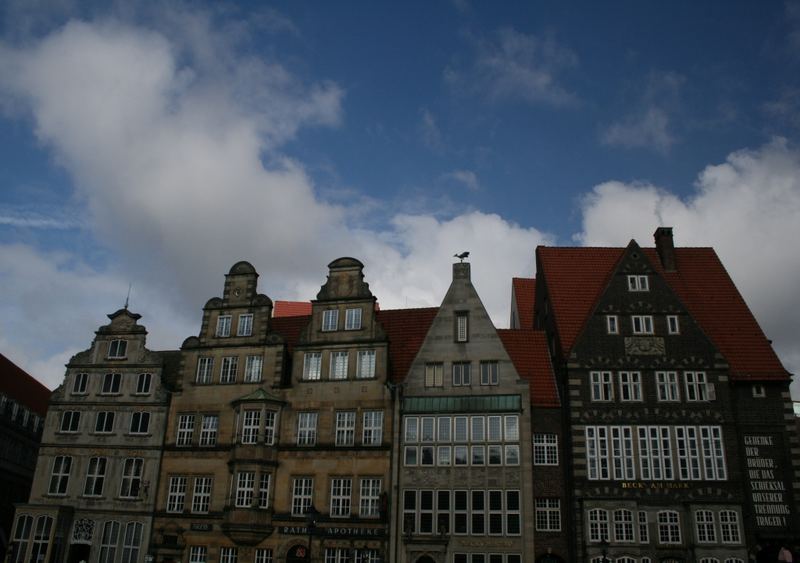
(17, 384)
(406, 330)
(576, 276)
(528, 350)
(524, 292)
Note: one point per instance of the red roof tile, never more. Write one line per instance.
(406, 329)
(17, 384)
(577, 276)
(291, 309)
(528, 351)
(290, 328)
(524, 291)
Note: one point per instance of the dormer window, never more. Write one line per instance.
(462, 326)
(117, 348)
(330, 320)
(638, 283)
(245, 327)
(223, 326)
(352, 319)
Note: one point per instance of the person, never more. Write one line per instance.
(785, 556)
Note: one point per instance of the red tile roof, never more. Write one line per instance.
(290, 328)
(406, 329)
(577, 276)
(528, 351)
(524, 290)
(291, 309)
(17, 384)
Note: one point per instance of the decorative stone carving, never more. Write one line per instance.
(644, 345)
(83, 530)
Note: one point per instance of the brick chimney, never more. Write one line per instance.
(665, 248)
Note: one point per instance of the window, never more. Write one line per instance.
(372, 428)
(59, 478)
(208, 430)
(548, 515)
(512, 427)
(204, 369)
(489, 374)
(630, 386)
(623, 525)
(461, 373)
(345, 428)
(104, 422)
(366, 364)
(512, 455)
(22, 535)
(434, 375)
(622, 452)
(369, 495)
(80, 383)
(228, 372)
(250, 425)
(176, 494)
(460, 514)
(95, 477)
(131, 542)
(312, 365)
(245, 327)
(263, 556)
(597, 452)
(70, 421)
(673, 327)
(245, 485)
(302, 488)
(111, 383)
(412, 429)
(117, 349)
(545, 449)
(143, 383)
(696, 386)
(729, 525)
(713, 453)
(494, 426)
(330, 320)
(598, 525)
(655, 453)
(252, 369)
(704, 522)
(140, 422)
(366, 556)
(228, 555)
(669, 527)
(602, 388)
(131, 477)
(269, 428)
(223, 326)
(198, 554)
(352, 319)
(410, 455)
(462, 326)
(512, 513)
(337, 555)
(306, 428)
(263, 490)
(638, 283)
(759, 392)
(341, 489)
(642, 324)
(338, 365)
(108, 542)
(201, 498)
(478, 424)
(612, 324)
(667, 383)
(644, 532)
(185, 430)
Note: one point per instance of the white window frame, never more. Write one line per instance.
(312, 366)
(302, 495)
(598, 525)
(140, 423)
(462, 374)
(205, 370)
(131, 542)
(366, 364)
(705, 527)
(131, 482)
(264, 485)
(696, 386)
(95, 477)
(201, 494)
(270, 427)
(70, 422)
(228, 369)
(264, 555)
(548, 514)
(251, 424)
(253, 367)
(673, 324)
(545, 448)
(144, 383)
(330, 320)
(198, 554)
(245, 489)
(434, 374)
(630, 386)
(245, 325)
(341, 493)
(228, 554)
(345, 432)
(372, 428)
(112, 383)
(623, 525)
(729, 526)
(638, 282)
(369, 497)
(462, 326)
(612, 324)
(642, 324)
(104, 422)
(307, 428)
(223, 326)
(490, 372)
(118, 349)
(209, 427)
(176, 494)
(339, 363)
(668, 387)
(644, 530)
(669, 527)
(352, 319)
(602, 386)
(81, 384)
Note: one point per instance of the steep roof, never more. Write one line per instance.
(290, 328)
(524, 290)
(17, 384)
(528, 351)
(291, 309)
(576, 277)
(406, 329)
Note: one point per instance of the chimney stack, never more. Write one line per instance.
(665, 248)
(461, 271)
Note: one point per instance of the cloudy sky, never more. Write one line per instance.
(156, 144)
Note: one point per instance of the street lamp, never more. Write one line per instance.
(604, 551)
(311, 525)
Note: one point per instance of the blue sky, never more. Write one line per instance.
(156, 144)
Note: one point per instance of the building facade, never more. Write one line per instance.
(94, 488)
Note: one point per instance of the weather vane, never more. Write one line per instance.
(461, 256)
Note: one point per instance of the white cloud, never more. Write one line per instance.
(467, 178)
(518, 66)
(746, 208)
(173, 146)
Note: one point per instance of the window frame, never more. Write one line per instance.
(80, 384)
(144, 383)
(642, 325)
(244, 325)
(223, 328)
(117, 349)
(612, 324)
(673, 324)
(638, 282)
(353, 318)
(330, 320)
(112, 381)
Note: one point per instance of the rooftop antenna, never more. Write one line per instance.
(128, 297)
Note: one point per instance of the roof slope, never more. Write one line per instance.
(406, 330)
(17, 384)
(291, 309)
(528, 351)
(524, 291)
(290, 328)
(576, 277)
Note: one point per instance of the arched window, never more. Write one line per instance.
(41, 538)
(108, 543)
(704, 521)
(133, 539)
(669, 527)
